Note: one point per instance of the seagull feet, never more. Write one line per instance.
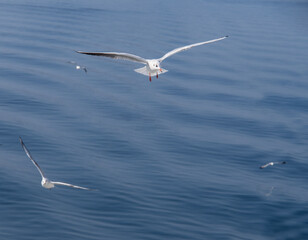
(150, 77)
(156, 75)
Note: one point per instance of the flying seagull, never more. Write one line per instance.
(46, 183)
(152, 67)
(272, 163)
(78, 67)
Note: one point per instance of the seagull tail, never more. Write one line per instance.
(142, 70)
(146, 72)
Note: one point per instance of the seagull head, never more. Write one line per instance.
(154, 65)
(44, 181)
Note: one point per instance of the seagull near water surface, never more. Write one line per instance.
(272, 163)
(46, 183)
(152, 67)
(77, 66)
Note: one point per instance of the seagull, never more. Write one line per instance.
(152, 67)
(272, 163)
(77, 66)
(46, 183)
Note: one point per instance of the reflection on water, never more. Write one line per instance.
(177, 158)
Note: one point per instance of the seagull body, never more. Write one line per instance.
(272, 163)
(152, 66)
(46, 183)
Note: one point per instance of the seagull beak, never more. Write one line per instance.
(160, 70)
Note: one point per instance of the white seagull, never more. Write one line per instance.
(46, 183)
(78, 67)
(152, 67)
(272, 163)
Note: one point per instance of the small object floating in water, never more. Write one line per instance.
(272, 163)
(152, 67)
(78, 67)
(46, 183)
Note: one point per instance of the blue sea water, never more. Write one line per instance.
(177, 158)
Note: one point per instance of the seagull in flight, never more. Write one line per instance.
(272, 163)
(78, 67)
(152, 66)
(46, 183)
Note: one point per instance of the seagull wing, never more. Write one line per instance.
(268, 164)
(265, 165)
(180, 49)
(115, 55)
(70, 185)
(31, 158)
(282, 162)
(85, 69)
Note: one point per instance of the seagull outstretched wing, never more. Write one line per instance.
(116, 55)
(180, 49)
(266, 165)
(31, 158)
(70, 185)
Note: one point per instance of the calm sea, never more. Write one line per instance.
(177, 158)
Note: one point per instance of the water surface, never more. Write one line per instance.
(177, 158)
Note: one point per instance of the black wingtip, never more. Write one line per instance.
(20, 139)
(227, 36)
(284, 162)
